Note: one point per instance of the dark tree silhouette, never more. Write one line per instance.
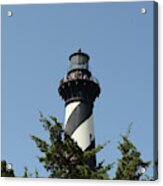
(63, 158)
(130, 165)
(5, 172)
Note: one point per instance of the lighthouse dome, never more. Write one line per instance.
(78, 60)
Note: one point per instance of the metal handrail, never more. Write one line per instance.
(92, 78)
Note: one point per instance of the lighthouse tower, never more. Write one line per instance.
(79, 90)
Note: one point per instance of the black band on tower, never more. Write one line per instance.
(92, 159)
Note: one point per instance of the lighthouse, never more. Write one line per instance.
(79, 90)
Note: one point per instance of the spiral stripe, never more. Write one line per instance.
(79, 115)
(79, 123)
(84, 134)
(69, 109)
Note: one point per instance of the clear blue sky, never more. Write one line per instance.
(36, 43)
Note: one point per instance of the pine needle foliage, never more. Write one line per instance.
(63, 158)
(130, 165)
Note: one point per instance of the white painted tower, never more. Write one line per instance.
(79, 90)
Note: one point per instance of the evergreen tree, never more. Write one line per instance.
(63, 158)
(29, 175)
(5, 172)
(130, 165)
